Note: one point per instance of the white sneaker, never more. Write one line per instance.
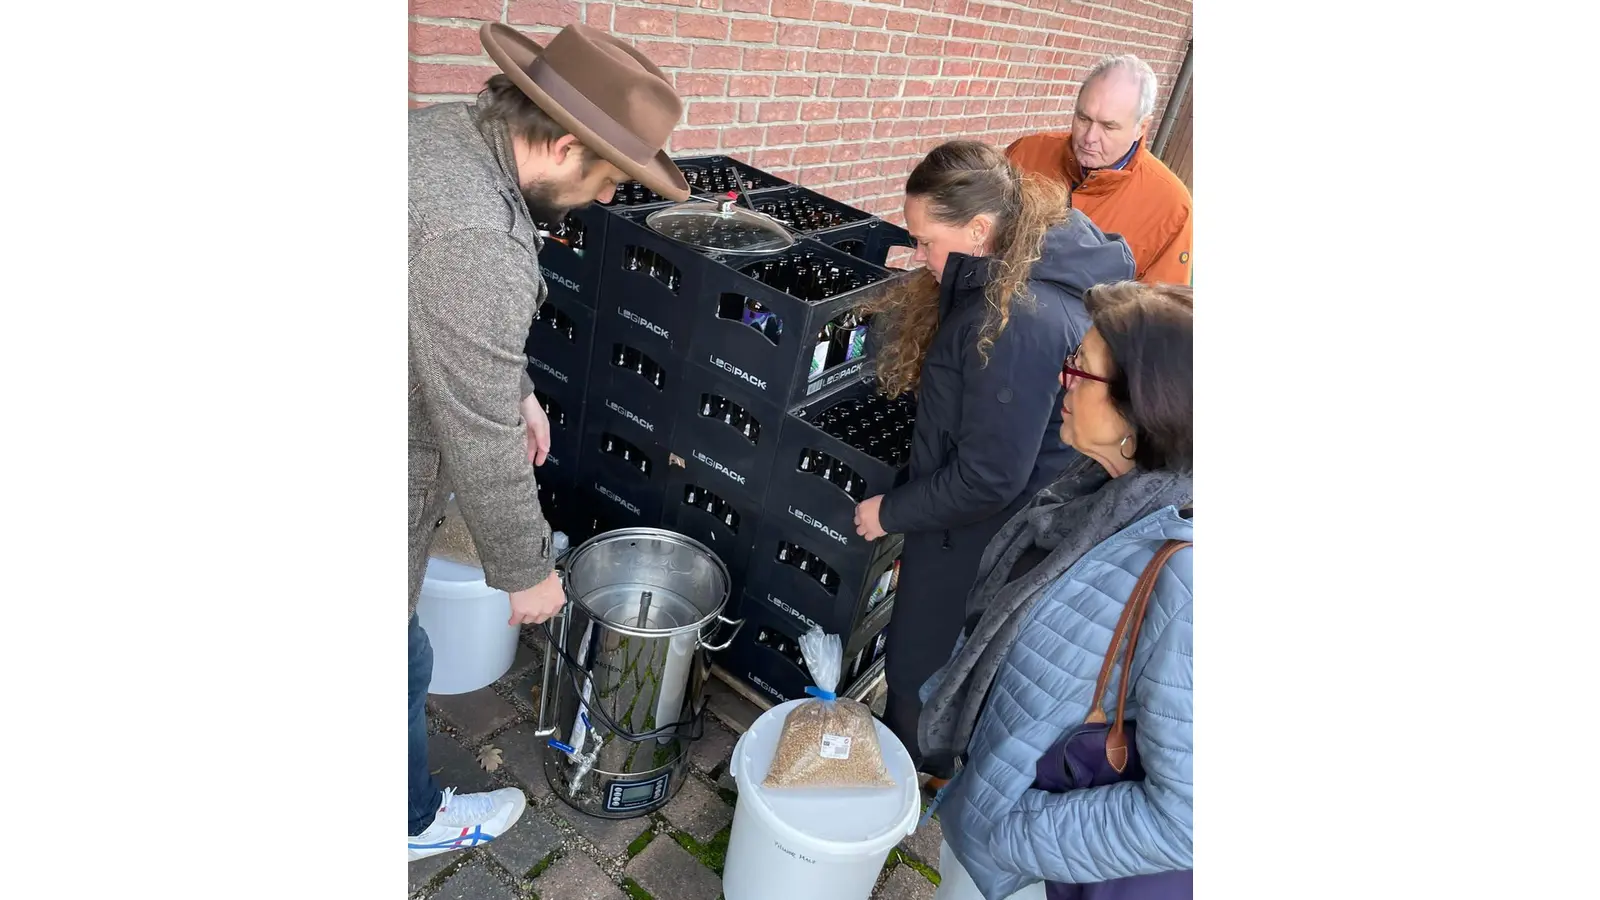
(467, 820)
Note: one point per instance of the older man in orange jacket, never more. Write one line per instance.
(1115, 181)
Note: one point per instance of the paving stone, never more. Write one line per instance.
(714, 747)
(527, 658)
(668, 872)
(475, 714)
(455, 766)
(906, 883)
(610, 836)
(736, 711)
(421, 871)
(576, 877)
(474, 881)
(698, 810)
(923, 844)
(530, 682)
(526, 843)
(530, 650)
(522, 755)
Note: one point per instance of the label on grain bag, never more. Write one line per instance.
(835, 746)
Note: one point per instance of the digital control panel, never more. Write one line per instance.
(622, 796)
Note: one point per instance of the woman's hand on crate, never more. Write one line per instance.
(867, 524)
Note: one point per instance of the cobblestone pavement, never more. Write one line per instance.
(557, 853)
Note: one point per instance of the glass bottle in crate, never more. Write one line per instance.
(857, 344)
(820, 352)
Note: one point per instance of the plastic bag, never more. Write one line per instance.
(829, 741)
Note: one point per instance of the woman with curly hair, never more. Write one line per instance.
(979, 337)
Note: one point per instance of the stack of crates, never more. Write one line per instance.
(684, 393)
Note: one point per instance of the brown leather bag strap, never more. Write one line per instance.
(1097, 702)
(1133, 613)
(1141, 589)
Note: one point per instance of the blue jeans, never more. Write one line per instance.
(425, 793)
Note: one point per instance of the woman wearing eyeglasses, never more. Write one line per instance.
(1039, 809)
(979, 337)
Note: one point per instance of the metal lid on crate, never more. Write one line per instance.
(721, 226)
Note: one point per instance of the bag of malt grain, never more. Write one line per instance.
(828, 742)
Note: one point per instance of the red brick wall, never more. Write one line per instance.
(843, 97)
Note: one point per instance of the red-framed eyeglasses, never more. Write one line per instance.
(1071, 372)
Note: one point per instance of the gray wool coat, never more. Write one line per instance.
(475, 285)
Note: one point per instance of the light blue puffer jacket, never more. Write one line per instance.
(1008, 835)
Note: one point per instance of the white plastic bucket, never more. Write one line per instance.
(807, 843)
(466, 623)
(956, 884)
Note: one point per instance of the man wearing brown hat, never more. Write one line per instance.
(559, 129)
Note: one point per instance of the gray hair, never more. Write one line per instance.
(1138, 68)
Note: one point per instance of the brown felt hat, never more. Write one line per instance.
(619, 104)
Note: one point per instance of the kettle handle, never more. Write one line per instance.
(723, 620)
(543, 728)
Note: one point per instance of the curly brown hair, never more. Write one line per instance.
(960, 180)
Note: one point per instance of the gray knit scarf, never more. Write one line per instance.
(1072, 516)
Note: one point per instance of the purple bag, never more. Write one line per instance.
(1096, 754)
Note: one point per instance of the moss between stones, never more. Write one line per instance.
(897, 856)
(635, 892)
(711, 854)
(641, 842)
(548, 861)
(928, 873)
(439, 876)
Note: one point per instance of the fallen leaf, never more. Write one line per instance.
(489, 758)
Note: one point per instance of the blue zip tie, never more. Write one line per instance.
(821, 694)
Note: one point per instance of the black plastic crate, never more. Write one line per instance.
(647, 283)
(559, 502)
(632, 194)
(877, 593)
(566, 375)
(726, 427)
(822, 477)
(597, 511)
(717, 476)
(871, 240)
(566, 439)
(805, 211)
(572, 252)
(766, 651)
(644, 401)
(798, 566)
(757, 180)
(696, 505)
(770, 338)
(561, 336)
(563, 397)
(628, 473)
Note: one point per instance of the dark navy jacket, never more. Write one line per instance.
(987, 437)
